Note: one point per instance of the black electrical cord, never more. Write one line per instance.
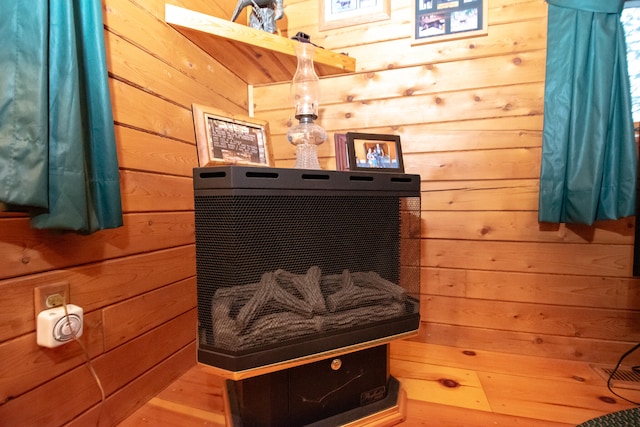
(613, 373)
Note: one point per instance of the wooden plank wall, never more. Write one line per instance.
(470, 115)
(136, 283)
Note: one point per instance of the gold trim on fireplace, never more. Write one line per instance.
(290, 363)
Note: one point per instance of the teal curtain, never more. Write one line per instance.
(58, 156)
(589, 160)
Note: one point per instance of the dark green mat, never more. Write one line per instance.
(626, 418)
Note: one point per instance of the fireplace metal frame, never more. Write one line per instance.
(241, 181)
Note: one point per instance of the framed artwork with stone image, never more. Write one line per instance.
(228, 139)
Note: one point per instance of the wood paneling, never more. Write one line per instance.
(509, 163)
(470, 116)
(139, 109)
(127, 399)
(470, 104)
(517, 68)
(143, 69)
(135, 283)
(503, 195)
(532, 318)
(526, 35)
(115, 369)
(31, 251)
(576, 259)
(517, 342)
(578, 291)
(156, 306)
(141, 23)
(95, 285)
(148, 192)
(26, 365)
(519, 226)
(139, 150)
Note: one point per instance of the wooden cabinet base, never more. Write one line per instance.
(353, 390)
(390, 416)
(391, 412)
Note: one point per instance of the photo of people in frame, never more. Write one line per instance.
(374, 152)
(376, 156)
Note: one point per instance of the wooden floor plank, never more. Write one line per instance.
(441, 384)
(445, 387)
(158, 412)
(548, 399)
(428, 414)
(197, 389)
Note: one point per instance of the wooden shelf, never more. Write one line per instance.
(255, 56)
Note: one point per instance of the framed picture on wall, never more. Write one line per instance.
(374, 152)
(227, 139)
(342, 13)
(439, 20)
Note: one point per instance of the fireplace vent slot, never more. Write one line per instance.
(361, 178)
(262, 175)
(315, 176)
(213, 174)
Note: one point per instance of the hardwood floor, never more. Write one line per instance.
(445, 386)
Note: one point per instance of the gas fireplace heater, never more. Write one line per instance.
(303, 277)
(297, 263)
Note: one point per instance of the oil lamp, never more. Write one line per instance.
(305, 92)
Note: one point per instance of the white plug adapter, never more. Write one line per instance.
(54, 329)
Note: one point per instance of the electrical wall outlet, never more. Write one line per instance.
(50, 296)
(56, 326)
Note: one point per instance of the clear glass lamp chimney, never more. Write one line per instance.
(305, 93)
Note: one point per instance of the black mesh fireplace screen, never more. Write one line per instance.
(292, 263)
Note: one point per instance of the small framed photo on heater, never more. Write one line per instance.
(374, 152)
(230, 139)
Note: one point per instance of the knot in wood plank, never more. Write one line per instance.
(449, 383)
